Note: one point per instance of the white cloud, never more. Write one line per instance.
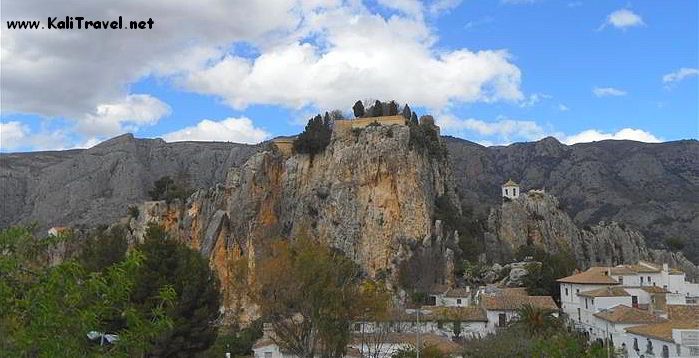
(563, 108)
(608, 91)
(622, 19)
(478, 23)
(410, 7)
(238, 130)
(68, 73)
(575, 4)
(127, 114)
(504, 129)
(315, 53)
(593, 135)
(442, 6)
(16, 135)
(12, 134)
(348, 67)
(534, 99)
(680, 74)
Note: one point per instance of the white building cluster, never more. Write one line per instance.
(645, 310)
(451, 314)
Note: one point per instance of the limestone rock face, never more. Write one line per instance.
(651, 187)
(536, 218)
(370, 194)
(95, 186)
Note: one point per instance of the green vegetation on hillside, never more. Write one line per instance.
(47, 311)
(537, 333)
(315, 137)
(540, 280)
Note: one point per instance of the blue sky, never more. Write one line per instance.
(490, 71)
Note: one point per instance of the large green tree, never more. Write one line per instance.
(315, 137)
(196, 307)
(47, 311)
(540, 279)
(103, 247)
(310, 293)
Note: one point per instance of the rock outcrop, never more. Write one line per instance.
(370, 194)
(95, 186)
(650, 187)
(536, 218)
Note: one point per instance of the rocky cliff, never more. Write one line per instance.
(537, 218)
(95, 186)
(653, 188)
(650, 187)
(370, 194)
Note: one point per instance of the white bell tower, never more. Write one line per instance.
(510, 190)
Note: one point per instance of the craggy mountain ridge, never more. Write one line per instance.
(649, 187)
(653, 188)
(96, 186)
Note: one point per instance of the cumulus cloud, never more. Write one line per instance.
(410, 7)
(593, 135)
(348, 67)
(680, 74)
(503, 129)
(534, 99)
(12, 134)
(622, 19)
(563, 108)
(442, 6)
(238, 130)
(70, 73)
(16, 135)
(317, 53)
(608, 91)
(127, 114)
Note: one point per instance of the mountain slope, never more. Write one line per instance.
(96, 185)
(653, 188)
(650, 187)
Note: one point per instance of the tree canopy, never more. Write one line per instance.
(310, 293)
(196, 306)
(540, 280)
(47, 311)
(315, 137)
(358, 109)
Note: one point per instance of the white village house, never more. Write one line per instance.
(645, 310)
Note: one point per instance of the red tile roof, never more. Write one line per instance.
(593, 275)
(626, 314)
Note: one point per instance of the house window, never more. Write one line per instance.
(514, 191)
(502, 320)
(635, 344)
(357, 327)
(634, 301)
(507, 192)
(586, 304)
(268, 354)
(621, 280)
(578, 314)
(648, 279)
(577, 291)
(649, 347)
(458, 301)
(566, 291)
(666, 351)
(641, 280)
